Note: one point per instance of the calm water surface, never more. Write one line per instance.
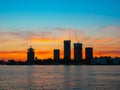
(59, 77)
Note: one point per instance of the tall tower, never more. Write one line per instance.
(78, 52)
(30, 55)
(88, 54)
(56, 54)
(67, 50)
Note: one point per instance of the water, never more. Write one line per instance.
(60, 77)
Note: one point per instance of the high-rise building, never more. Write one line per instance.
(56, 54)
(88, 54)
(30, 55)
(67, 50)
(78, 52)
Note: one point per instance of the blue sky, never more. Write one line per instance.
(80, 14)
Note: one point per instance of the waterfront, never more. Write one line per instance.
(59, 77)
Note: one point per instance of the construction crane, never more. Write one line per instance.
(76, 37)
(69, 34)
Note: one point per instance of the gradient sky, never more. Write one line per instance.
(44, 24)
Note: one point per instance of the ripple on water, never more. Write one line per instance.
(59, 77)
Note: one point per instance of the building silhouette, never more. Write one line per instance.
(56, 54)
(88, 54)
(31, 60)
(67, 50)
(78, 52)
(30, 56)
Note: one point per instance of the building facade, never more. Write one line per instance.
(67, 50)
(78, 52)
(56, 54)
(88, 54)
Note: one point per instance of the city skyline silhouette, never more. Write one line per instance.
(59, 44)
(77, 59)
(46, 24)
(41, 54)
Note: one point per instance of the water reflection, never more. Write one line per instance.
(30, 77)
(75, 77)
(66, 73)
(59, 77)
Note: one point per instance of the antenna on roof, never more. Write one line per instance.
(69, 34)
(76, 37)
(30, 46)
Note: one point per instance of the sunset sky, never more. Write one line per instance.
(45, 24)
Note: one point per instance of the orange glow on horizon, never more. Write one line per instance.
(41, 40)
(22, 55)
(14, 44)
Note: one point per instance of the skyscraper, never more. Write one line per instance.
(78, 52)
(88, 54)
(56, 54)
(67, 50)
(30, 55)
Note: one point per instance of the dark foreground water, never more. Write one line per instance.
(60, 77)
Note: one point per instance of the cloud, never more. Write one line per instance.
(107, 39)
(55, 34)
(17, 55)
(41, 40)
(12, 52)
(106, 36)
(108, 52)
(111, 28)
(3, 40)
(24, 35)
(110, 31)
(111, 52)
(4, 33)
(43, 52)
